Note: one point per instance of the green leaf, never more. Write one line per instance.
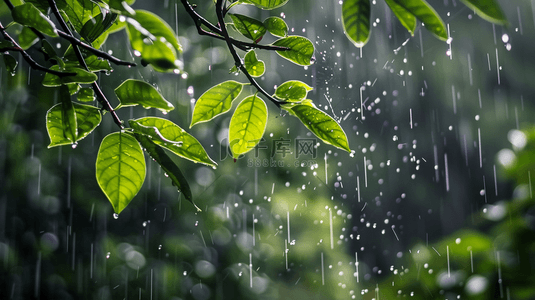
(276, 26)
(300, 49)
(247, 125)
(157, 27)
(82, 76)
(11, 63)
(121, 7)
(86, 95)
(68, 117)
(293, 91)
(96, 26)
(356, 20)
(27, 38)
(407, 19)
(120, 169)
(153, 50)
(255, 67)
(322, 125)
(78, 11)
(168, 166)
(87, 119)
(173, 138)
(161, 56)
(27, 14)
(425, 13)
(488, 9)
(266, 4)
(216, 101)
(251, 28)
(133, 92)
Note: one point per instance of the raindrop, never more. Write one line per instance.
(116, 216)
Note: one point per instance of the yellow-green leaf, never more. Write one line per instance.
(356, 20)
(87, 119)
(133, 92)
(425, 13)
(173, 138)
(215, 101)
(255, 67)
(488, 9)
(247, 125)
(407, 19)
(322, 125)
(300, 49)
(120, 169)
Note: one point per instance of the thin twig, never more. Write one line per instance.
(100, 95)
(237, 59)
(74, 41)
(218, 34)
(28, 58)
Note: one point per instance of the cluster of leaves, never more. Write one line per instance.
(356, 17)
(120, 164)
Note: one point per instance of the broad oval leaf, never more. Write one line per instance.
(87, 119)
(356, 20)
(293, 91)
(27, 38)
(255, 67)
(266, 4)
(216, 101)
(425, 13)
(300, 49)
(322, 125)
(276, 26)
(175, 139)
(249, 27)
(120, 169)
(133, 92)
(27, 14)
(488, 9)
(157, 27)
(168, 166)
(407, 19)
(153, 50)
(82, 76)
(161, 56)
(247, 125)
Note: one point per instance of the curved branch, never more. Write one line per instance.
(217, 32)
(237, 59)
(28, 58)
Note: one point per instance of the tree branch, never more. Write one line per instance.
(218, 34)
(237, 59)
(74, 41)
(28, 58)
